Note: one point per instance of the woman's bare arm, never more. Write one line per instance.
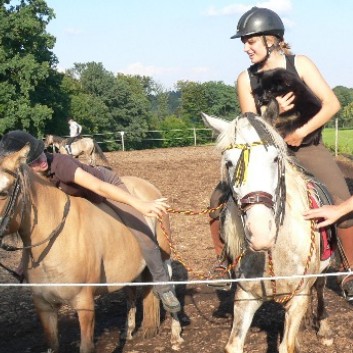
(153, 208)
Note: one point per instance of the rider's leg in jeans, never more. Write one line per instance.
(150, 249)
(219, 195)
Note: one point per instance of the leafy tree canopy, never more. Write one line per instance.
(26, 66)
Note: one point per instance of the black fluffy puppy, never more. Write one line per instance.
(279, 82)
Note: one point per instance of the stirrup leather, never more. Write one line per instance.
(220, 271)
(347, 286)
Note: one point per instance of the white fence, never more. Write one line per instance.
(194, 135)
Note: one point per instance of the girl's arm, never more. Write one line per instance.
(153, 208)
(330, 213)
(310, 74)
(246, 99)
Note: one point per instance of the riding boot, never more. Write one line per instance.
(216, 236)
(345, 246)
(220, 269)
(159, 273)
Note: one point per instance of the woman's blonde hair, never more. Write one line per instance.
(280, 44)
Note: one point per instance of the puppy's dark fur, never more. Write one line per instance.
(279, 82)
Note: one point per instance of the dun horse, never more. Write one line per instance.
(70, 240)
(84, 146)
(265, 231)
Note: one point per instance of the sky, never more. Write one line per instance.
(190, 39)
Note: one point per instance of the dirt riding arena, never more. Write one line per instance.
(186, 176)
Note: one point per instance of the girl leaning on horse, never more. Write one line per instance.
(100, 185)
(261, 31)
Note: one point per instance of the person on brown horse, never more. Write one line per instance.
(262, 32)
(101, 185)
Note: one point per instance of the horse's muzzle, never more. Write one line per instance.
(260, 228)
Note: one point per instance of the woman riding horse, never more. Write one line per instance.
(261, 30)
(100, 185)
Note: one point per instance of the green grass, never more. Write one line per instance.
(345, 140)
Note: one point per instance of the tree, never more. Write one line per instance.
(345, 97)
(214, 98)
(347, 115)
(27, 65)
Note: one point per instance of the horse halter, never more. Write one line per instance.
(258, 197)
(6, 216)
(10, 205)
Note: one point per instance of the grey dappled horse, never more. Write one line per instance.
(265, 230)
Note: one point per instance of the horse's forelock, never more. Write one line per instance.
(268, 134)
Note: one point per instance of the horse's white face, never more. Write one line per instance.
(251, 169)
(260, 178)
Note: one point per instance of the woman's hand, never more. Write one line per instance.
(295, 138)
(155, 208)
(329, 214)
(285, 102)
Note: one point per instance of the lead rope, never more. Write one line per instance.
(177, 255)
(285, 298)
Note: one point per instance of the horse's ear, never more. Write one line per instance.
(14, 160)
(216, 124)
(23, 153)
(271, 112)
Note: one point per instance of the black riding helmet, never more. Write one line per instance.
(14, 141)
(259, 21)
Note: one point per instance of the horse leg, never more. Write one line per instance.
(295, 311)
(84, 305)
(151, 309)
(93, 158)
(245, 306)
(176, 340)
(130, 324)
(48, 315)
(324, 332)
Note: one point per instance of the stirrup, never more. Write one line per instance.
(347, 286)
(220, 271)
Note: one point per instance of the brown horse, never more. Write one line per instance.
(84, 146)
(70, 240)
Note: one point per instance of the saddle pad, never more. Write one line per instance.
(327, 234)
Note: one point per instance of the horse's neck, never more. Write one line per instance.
(296, 187)
(43, 207)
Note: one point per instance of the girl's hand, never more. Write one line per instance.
(329, 214)
(295, 138)
(285, 102)
(155, 208)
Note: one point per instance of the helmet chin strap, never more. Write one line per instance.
(269, 50)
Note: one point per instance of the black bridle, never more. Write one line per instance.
(10, 208)
(12, 197)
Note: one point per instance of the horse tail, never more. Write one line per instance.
(98, 151)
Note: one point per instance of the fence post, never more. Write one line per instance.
(336, 137)
(195, 139)
(122, 140)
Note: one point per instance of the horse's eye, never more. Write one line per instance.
(3, 194)
(276, 159)
(229, 164)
